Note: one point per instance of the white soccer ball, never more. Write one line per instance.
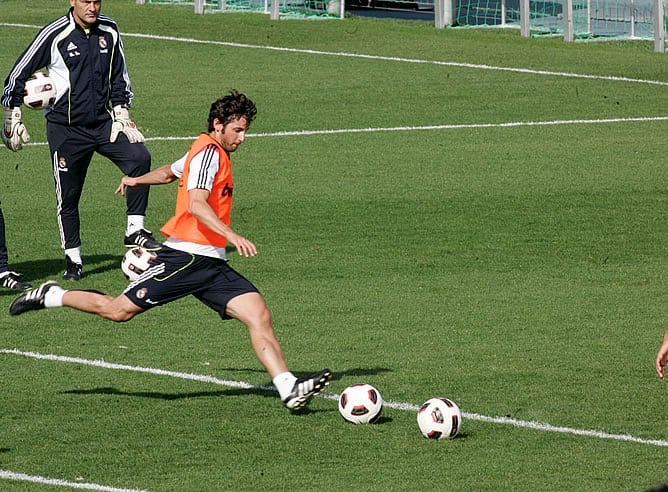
(439, 418)
(360, 404)
(39, 93)
(136, 261)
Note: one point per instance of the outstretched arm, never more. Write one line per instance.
(662, 357)
(161, 175)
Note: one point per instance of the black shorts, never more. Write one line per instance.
(175, 274)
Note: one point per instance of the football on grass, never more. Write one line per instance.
(135, 262)
(360, 404)
(439, 418)
(39, 92)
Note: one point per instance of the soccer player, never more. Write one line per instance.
(193, 259)
(662, 357)
(83, 53)
(8, 278)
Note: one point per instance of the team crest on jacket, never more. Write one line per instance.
(141, 293)
(102, 42)
(62, 164)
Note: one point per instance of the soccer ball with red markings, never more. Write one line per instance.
(360, 404)
(439, 418)
(39, 92)
(136, 261)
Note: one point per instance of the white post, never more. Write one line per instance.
(275, 10)
(444, 13)
(525, 19)
(503, 13)
(141, 2)
(439, 9)
(568, 20)
(449, 12)
(199, 6)
(659, 22)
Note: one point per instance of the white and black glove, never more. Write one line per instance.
(14, 133)
(123, 124)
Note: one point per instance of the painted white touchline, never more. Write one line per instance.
(510, 124)
(398, 59)
(9, 475)
(375, 57)
(150, 370)
(331, 396)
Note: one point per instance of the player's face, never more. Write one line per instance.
(86, 12)
(231, 135)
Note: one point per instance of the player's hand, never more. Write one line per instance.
(660, 367)
(662, 357)
(126, 182)
(244, 246)
(123, 124)
(14, 132)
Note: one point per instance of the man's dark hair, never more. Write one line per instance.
(232, 105)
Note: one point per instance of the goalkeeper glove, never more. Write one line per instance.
(14, 132)
(123, 124)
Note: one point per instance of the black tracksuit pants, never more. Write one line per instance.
(72, 149)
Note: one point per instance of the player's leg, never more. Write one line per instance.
(71, 153)
(51, 295)
(233, 296)
(8, 278)
(4, 257)
(252, 311)
(133, 159)
(117, 309)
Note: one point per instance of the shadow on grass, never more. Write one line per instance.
(173, 396)
(36, 271)
(266, 393)
(359, 372)
(336, 375)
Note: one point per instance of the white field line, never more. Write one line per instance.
(510, 124)
(331, 396)
(22, 477)
(376, 57)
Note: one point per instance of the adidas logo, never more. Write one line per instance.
(71, 46)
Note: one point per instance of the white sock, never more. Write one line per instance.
(284, 383)
(74, 254)
(54, 297)
(135, 222)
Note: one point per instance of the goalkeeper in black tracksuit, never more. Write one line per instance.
(83, 53)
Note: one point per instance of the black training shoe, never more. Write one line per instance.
(31, 300)
(73, 271)
(306, 388)
(142, 239)
(13, 280)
